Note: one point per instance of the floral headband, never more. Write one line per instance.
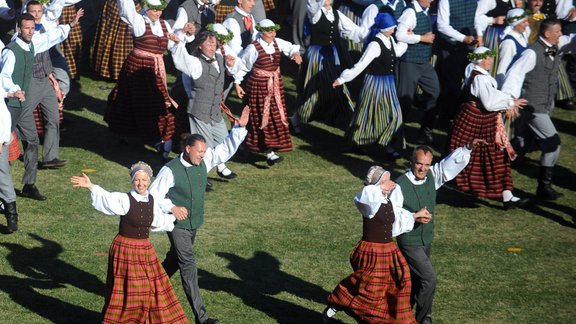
(474, 57)
(514, 19)
(223, 39)
(161, 6)
(261, 29)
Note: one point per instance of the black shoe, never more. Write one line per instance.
(211, 321)
(230, 176)
(394, 155)
(425, 137)
(208, 186)
(566, 104)
(546, 192)
(53, 164)
(30, 191)
(514, 204)
(271, 162)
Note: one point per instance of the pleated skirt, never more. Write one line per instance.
(72, 46)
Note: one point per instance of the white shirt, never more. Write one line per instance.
(514, 79)
(42, 43)
(250, 54)
(118, 204)
(485, 88)
(5, 120)
(346, 26)
(507, 51)
(563, 8)
(371, 198)
(481, 18)
(407, 22)
(191, 66)
(444, 26)
(137, 21)
(52, 11)
(443, 171)
(231, 23)
(371, 52)
(372, 11)
(182, 19)
(213, 156)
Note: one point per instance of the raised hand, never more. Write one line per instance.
(82, 182)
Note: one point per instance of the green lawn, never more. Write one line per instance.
(277, 239)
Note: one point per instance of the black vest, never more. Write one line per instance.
(383, 64)
(324, 32)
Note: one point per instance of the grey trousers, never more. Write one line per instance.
(25, 126)
(411, 75)
(543, 127)
(214, 132)
(298, 17)
(423, 278)
(181, 256)
(258, 12)
(41, 93)
(7, 192)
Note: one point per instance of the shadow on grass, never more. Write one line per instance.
(563, 176)
(537, 207)
(261, 279)
(564, 126)
(43, 270)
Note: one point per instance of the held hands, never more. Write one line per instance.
(243, 121)
(79, 15)
(427, 38)
(336, 83)
(20, 95)
(189, 29)
(520, 103)
(173, 38)
(499, 20)
(239, 91)
(230, 60)
(82, 182)
(423, 216)
(297, 58)
(476, 142)
(181, 213)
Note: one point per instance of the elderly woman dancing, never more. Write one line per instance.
(137, 287)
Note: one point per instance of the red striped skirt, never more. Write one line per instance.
(379, 289)
(274, 136)
(137, 106)
(112, 42)
(488, 173)
(138, 290)
(72, 46)
(14, 151)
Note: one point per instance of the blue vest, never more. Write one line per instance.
(419, 53)
(519, 49)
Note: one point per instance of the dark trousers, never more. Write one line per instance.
(411, 75)
(423, 280)
(181, 256)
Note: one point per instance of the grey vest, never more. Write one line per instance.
(196, 17)
(541, 83)
(206, 94)
(245, 35)
(42, 64)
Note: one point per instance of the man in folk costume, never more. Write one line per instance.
(42, 92)
(268, 130)
(181, 184)
(16, 74)
(417, 189)
(415, 69)
(242, 24)
(534, 77)
(199, 13)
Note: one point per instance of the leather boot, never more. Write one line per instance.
(545, 190)
(11, 216)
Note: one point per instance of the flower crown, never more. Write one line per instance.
(223, 39)
(267, 29)
(511, 20)
(481, 56)
(160, 7)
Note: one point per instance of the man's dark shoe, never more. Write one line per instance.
(566, 104)
(425, 136)
(53, 164)
(546, 192)
(514, 204)
(30, 191)
(208, 185)
(211, 321)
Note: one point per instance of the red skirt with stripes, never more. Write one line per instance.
(137, 104)
(275, 136)
(488, 173)
(138, 290)
(72, 46)
(14, 151)
(379, 289)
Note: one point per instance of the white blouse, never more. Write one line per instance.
(137, 21)
(346, 26)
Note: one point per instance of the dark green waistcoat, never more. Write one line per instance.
(417, 197)
(22, 74)
(188, 191)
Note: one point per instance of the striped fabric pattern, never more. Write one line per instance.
(565, 90)
(222, 11)
(492, 41)
(72, 46)
(378, 115)
(321, 101)
(488, 173)
(14, 151)
(137, 106)
(138, 290)
(379, 289)
(354, 12)
(112, 43)
(275, 136)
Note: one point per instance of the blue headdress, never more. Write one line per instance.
(382, 22)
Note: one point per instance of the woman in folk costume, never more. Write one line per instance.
(378, 115)
(514, 41)
(112, 43)
(139, 105)
(322, 64)
(488, 174)
(137, 287)
(72, 46)
(379, 289)
(268, 126)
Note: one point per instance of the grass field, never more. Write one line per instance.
(277, 239)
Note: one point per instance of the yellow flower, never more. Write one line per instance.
(539, 16)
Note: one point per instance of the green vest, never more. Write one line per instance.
(417, 197)
(22, 74)
(188, 191)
